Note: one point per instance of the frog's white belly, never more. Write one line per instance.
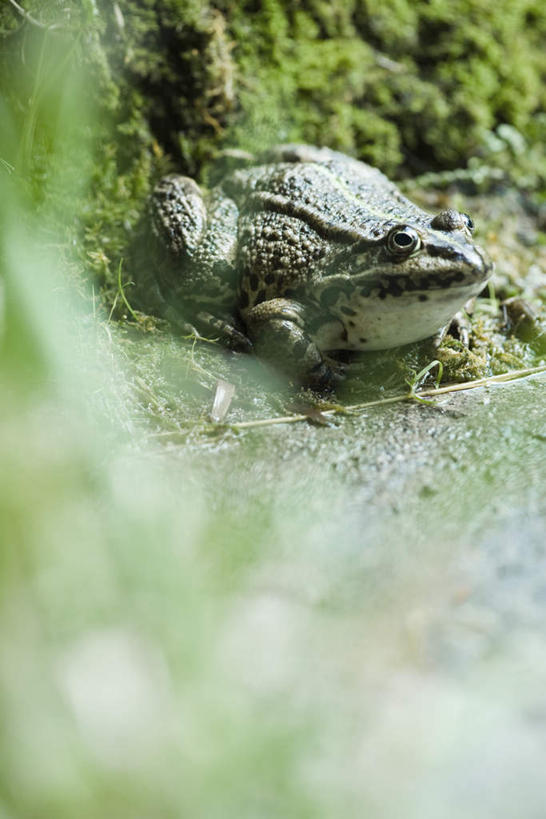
(391, 322)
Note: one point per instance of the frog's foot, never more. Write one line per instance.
(459, 327)
(277, 331)
(167, 311)
(178, 214)
(183, 327)
(207, 327)
(222, 329)
(338, 367)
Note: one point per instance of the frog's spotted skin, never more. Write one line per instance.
(312, 251)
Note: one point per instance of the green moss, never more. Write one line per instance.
(156, 79)
(397, 82)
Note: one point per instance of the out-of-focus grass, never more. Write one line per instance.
(113, 689)
(184, 642)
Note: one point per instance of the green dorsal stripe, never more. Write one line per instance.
(411, 208)
(261, 200)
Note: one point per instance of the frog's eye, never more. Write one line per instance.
(468, 221)
(403, 240)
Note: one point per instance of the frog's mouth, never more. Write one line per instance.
(425, 275)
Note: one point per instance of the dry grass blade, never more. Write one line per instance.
(396, 399)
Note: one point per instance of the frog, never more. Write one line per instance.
(306, 252)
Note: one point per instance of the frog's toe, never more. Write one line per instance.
(225, 331)
(324, 377)
(178, 323)
(460, 328)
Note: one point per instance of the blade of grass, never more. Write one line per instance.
(409, 396)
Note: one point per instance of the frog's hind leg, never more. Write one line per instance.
(194, 255)
(178, 215)
(277, 331)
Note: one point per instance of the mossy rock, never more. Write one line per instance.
(407, 86)
(410, 87)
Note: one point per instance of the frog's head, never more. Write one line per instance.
(408, 282)
(435, 255)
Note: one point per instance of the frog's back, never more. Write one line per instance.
(337, 196)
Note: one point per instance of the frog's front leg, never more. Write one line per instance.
(277, 331)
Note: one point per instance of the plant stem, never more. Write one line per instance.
(409, 396)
